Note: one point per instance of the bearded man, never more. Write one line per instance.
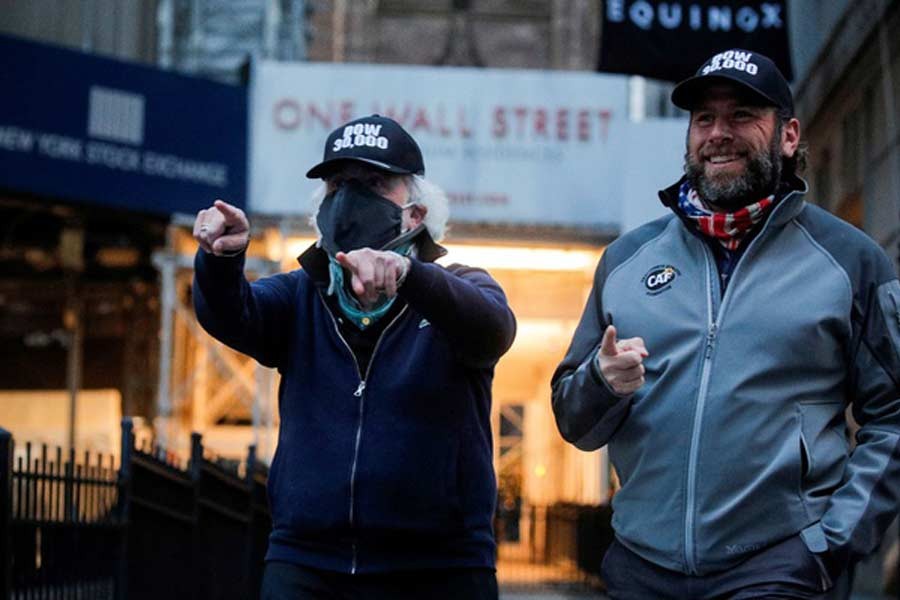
(717, 353)
(382, 485)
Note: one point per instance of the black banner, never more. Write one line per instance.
(670, 40)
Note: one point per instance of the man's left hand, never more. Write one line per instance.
(374, 273)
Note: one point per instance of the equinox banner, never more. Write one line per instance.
(508, 146)
(670, 40)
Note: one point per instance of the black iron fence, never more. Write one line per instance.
(77, 527)
(555, 546)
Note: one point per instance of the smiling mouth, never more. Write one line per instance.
(723, 159)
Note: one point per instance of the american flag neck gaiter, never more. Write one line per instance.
(729, 228)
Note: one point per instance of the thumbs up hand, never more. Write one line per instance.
(621, 362)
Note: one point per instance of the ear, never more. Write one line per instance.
(790, 138)
(416, 215)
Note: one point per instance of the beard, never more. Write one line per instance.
(731, 192)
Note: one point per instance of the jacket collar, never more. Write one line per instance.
(314, 259)
(788, 199)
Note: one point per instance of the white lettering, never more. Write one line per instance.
(372, 129)
(615, 12)
(15, 139)
(112, 156)
(669, 15)
(660, 279)
(743, 56)
(369, 141)
(174, 167)
(696, 17)
(771, 16)
(641, 14)
(752, 69)
(719, 18)
(60, 146)
(747, 19)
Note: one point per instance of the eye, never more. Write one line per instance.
(703, 118)
(743, 114)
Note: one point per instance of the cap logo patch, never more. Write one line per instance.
(734, 60)
(361, 134)
(659, 279)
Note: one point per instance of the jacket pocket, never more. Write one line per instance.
(407, 482)
(823, 449)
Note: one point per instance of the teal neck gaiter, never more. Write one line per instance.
(349, 305)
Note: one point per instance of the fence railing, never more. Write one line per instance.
(77, 527)
(558, 545)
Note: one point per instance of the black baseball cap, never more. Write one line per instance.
(751, 70)
(375, 140)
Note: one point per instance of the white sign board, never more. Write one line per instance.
(508, 146)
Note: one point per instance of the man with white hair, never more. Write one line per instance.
(382, 485)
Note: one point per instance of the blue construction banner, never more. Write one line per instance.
(670, 40)
(94, 130)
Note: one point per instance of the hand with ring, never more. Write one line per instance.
(222, 229)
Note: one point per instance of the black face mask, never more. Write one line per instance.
(354, 217)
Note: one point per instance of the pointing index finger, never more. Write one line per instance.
(608, 343)
(231, 213)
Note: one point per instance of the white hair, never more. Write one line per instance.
(421, 191)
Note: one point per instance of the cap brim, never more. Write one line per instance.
(326, 167)
(685, 94)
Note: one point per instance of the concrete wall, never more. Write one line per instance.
(121, 28)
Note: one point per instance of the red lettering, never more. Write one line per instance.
(521, 112)
(421, 120)
(391, 112)
(540, 122)
(499, 129)
(286, 114)
(464, 130)
(605, 116)
(584, 126)
(562, 124)
(322, 118)
(443, 130)
(346, 111)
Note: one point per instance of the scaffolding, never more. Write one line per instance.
(216, 38)
(204, 386)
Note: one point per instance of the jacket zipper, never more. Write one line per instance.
(359, 393)
(713, 322)
(711, 330)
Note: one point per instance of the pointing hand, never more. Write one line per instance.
(621, 362)
(373, 273)
(222, 229)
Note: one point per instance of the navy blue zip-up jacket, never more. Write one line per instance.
(386, 470)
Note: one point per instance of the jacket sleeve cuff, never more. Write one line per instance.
(599, 379)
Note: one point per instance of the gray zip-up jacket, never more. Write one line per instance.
(738, 439)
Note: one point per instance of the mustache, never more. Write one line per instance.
(729, 148)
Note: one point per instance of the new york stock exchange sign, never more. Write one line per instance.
(669, 40)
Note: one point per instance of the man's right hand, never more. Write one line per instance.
(222, 229)
(621, 362)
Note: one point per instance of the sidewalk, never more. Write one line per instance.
(549, 595)
(520, 579)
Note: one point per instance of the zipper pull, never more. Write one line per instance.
(360, 389)
(710, 340)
